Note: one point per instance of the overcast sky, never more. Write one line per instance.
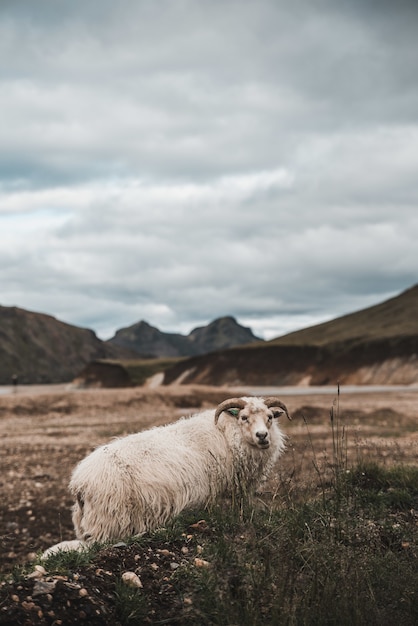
(180, 160)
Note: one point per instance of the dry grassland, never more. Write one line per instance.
(45, 431)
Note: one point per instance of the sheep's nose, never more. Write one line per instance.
(261, 434)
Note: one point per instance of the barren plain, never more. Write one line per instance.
(45, 431)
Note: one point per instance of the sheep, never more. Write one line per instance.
(139, 482)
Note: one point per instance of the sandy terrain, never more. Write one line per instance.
(45, 431)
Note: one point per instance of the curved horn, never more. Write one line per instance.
(272, 402)
(232, 403)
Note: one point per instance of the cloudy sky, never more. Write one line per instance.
(180, 160)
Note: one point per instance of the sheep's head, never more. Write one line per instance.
(255, 417)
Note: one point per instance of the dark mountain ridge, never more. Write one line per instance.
(38, 348)
(148, 341)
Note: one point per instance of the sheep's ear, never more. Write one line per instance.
(233, 412)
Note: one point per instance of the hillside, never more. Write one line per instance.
(40, 349)
(148, 341)
(378, 345)
(397, 317)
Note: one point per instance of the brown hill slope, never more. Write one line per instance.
(378, 345)
(40, 349)
(397, 317)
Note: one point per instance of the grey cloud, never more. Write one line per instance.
(198, 159)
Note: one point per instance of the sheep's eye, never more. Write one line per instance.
(277, 413)
(244, 418)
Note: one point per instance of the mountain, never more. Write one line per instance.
(38, 348)
(397, 317)
(378, 345)
(148, 341)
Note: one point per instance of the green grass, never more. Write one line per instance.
(350, 558)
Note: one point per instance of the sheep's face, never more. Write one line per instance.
(256, 422)
(256, 418)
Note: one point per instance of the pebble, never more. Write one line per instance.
(132, 580)
(38, 572)
(42, 587)
(201, 563)
(165, 552)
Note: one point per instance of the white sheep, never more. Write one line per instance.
(139, 482)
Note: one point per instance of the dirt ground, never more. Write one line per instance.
(45, 431)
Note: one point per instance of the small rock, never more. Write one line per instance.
(201, 563)
(174, 565)
(15, 598)
(83, 593)
(42, 587)
(132, 580)
(185, 550)
(165, 552)
(38, 572)
(103, 572)
(74, 586)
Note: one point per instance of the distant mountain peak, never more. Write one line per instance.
(146, 340)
